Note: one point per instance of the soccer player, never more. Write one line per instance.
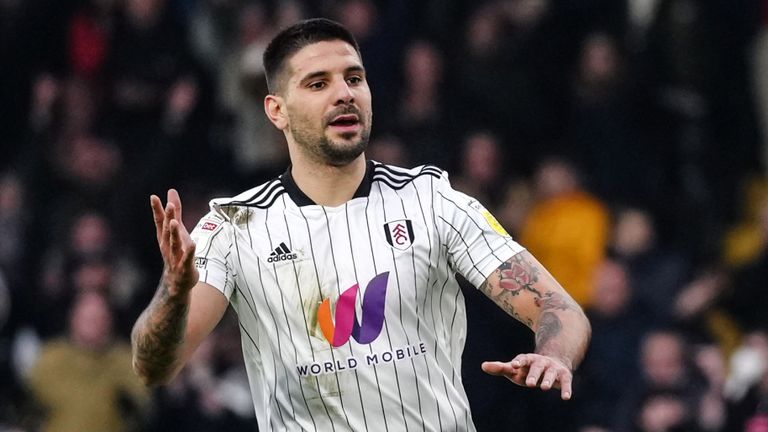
(342, 270)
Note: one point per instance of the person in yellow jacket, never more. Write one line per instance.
(567, 228)
(85, 382)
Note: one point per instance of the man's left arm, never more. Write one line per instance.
(527, 291)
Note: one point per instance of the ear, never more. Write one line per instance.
(274, 106)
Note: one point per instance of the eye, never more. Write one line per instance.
(354, 80)
(317, 85)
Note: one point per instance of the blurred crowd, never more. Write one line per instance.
(623, 142)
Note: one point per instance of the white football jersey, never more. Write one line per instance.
(351, 317)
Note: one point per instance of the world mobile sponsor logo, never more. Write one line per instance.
(353, 362)
(371, 320)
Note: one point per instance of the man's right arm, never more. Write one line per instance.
(171, 328)
(183, 311)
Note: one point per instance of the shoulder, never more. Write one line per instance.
(244, 204)
(261, 196)
(397, 177)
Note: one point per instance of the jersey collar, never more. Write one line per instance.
(301, 199)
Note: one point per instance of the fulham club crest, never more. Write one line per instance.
(399, 233)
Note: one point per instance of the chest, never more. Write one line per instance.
(296, 259)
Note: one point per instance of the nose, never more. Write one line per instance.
(344, 94)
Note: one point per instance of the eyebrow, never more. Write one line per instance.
(318, 74)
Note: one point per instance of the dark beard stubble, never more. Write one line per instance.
(328, 151)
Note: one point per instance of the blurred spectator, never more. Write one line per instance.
(698, 312)
(696, 75)
(617, 326)
(510, 72)
(747, 384)
(85, 382)
(45, 94)
(389, 149)
(87, 259)
(748, 300)
(89, 37)
(150, 72)
(665, 411)
(381, 29)
(514, 206)
(256, 143)
(61, 109)
(603, 134)
(656, 273)
(666, 394)
(712, 413)
(13, 227)
(567, 228)
(640, 15)
(420, 117)
(481, 172)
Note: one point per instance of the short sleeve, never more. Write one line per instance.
(213, 243)
(476, 242)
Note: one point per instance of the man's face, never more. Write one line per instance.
(328, 102)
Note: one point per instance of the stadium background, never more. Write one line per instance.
(622, 141)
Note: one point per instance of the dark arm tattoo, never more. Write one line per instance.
(549, 327)
(158, 335)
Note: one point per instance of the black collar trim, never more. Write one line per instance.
(301, 199)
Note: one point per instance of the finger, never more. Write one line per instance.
(173, 197)
(158, 215)
(170, 211)
(175, 240)
(521, 360)
(566, 382)
(496, 368)
(532, 380)
(550, 376)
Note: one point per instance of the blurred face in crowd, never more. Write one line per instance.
(358, 16)
(91, 322)
(633, 233)
(11, 193)
(482, 157)
(662, 357)
(324, 106)
(423, 65)
(91, 233)
(599, 59)
(555, 178)
(611, 289)
(144, 11)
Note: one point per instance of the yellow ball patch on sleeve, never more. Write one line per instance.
(494, 223)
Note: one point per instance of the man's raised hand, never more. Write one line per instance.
(176, 245)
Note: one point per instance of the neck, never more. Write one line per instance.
(328, 185)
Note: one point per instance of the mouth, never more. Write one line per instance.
(345, 123)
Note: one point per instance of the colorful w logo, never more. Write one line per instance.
(346, 321)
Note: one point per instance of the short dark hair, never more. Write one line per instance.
(292, 39)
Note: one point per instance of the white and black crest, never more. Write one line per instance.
(399, 233)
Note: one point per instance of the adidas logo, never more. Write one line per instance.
(281, 253)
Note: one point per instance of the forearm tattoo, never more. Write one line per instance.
(157, 336)
(520, 276)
